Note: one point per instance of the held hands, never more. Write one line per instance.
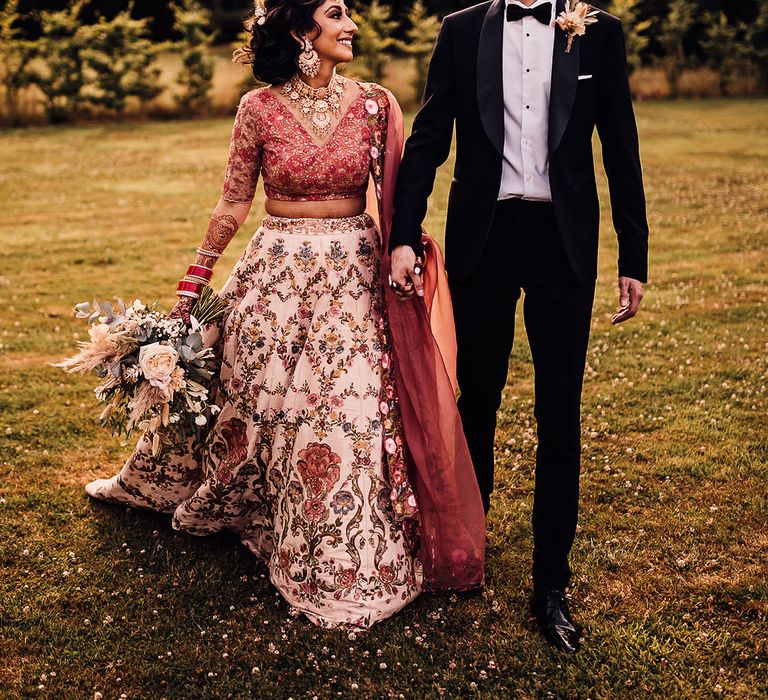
(630, 296)
(405, 277)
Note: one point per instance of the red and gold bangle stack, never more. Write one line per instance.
(193, 282)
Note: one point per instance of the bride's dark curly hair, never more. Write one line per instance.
(273, 52)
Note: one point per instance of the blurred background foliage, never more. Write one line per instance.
(65, 60)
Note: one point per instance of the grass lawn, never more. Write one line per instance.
(670, 561)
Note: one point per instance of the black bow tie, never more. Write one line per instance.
(543, 12)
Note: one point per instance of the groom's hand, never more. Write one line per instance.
(406, 283)
(630, 296)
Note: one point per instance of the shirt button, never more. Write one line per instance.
(527, 106)
(527, 70)
(527, 34)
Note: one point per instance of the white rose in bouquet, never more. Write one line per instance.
(158, 362)
(165, 387)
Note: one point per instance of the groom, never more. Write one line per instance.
(523, 214)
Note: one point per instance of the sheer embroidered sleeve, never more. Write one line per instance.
(245, 154)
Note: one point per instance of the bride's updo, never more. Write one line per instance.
(272, 51)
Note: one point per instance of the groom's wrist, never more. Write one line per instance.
(635, 272)
(417, 248)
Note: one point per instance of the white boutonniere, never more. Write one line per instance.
(575, 19)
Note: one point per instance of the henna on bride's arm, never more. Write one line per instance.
(221, 230)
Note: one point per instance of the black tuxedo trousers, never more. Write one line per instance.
(495, 252)
(524, 254)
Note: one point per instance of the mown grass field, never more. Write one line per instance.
(670, 561)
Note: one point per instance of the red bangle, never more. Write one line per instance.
(200, 271)
(189, 287)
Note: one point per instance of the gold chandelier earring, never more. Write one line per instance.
(309, 60)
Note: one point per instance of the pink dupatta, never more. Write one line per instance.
(450, 510)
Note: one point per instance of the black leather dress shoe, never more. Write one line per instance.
(556, 625)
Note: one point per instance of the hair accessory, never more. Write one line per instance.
(260, 13)
(309, 60)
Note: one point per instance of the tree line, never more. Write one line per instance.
(88, 57)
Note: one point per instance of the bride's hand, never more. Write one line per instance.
(183, 309)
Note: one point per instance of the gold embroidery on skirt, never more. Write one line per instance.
(304, 459)
(318, 227)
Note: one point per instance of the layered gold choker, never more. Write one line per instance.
(317, 105)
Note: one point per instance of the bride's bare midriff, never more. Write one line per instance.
(327, 209)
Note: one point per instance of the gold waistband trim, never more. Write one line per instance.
(318, 227)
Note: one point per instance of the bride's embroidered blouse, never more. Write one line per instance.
(267, 138)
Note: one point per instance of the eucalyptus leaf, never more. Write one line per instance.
(195, 341)
(187, 353)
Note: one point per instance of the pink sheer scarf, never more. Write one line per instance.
(452, 520)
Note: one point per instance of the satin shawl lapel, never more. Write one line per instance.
(490, 84)
(565, 78)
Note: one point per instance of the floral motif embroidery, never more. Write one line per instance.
(245, 155)
(267, 138)
(231, 449)
(306, 258)
(336, 257)
(306, 460)
(402, 497)
(277, 250)
(317, 227)
(319, 468)
(343, 503)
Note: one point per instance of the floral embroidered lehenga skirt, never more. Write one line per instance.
(303, 461)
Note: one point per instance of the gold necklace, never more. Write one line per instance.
(316, 105)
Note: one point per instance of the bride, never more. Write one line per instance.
(337, 455)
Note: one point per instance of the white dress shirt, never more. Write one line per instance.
(527, 70)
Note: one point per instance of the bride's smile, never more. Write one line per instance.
(335, 32)
(314, 454)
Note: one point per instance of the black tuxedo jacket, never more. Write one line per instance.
(465, 88)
